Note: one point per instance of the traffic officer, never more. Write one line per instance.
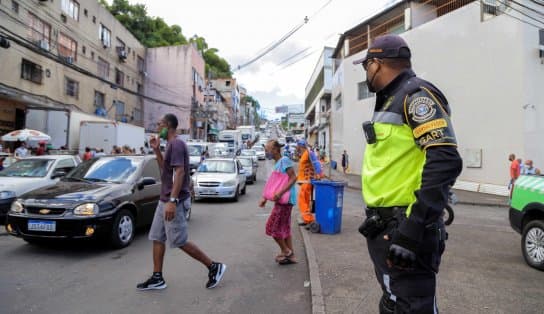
(410, 162)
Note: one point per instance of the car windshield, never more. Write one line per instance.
(246, 162)
(195, 150)
(223, 166)
(105, 169)
(258, 149)
(248, 152)
(28, 168)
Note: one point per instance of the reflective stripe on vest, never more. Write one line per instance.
(392, 167)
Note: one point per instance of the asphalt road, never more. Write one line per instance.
(87, 278)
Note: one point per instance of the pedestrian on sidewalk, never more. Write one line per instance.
(515, 170)
(410, 161)
(278, 225)
(305, 174)
(169, 224)
(345, 161)
(529, 169)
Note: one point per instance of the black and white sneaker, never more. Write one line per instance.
(153, 283)
(217, 270)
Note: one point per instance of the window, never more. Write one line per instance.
(71, 8)
(85, 12)
(31, 71)
(363, 91)
(119, 77)
(139, 88)
(141, 64)
(227, 83)
(71, 87)
(99, 99)
(151, 170)
(39, 31)
(119, 110)
(67, 47)
(83, 49)
(15, 6)
(105, 36)
(103, 68)
(137, 114)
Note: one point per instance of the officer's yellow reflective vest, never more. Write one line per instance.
(393, 166)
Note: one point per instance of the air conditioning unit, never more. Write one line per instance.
(43, 44)
(491, 7)
(122, 54)
(69, 59)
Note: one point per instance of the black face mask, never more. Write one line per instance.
(369, 85)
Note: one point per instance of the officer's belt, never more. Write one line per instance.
(385, 213)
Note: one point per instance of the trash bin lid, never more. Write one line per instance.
(329, 182)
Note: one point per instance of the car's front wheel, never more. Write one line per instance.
(236, 194)
(532, 244)
(122, 232)
(244, 190)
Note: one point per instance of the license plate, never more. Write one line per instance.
(208, 191)
(42, 225)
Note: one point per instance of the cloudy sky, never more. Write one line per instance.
(240, 29)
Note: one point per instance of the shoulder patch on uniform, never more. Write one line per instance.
(422, 109)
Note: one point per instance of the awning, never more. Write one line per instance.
(213, 131)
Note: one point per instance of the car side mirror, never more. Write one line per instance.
(146, 181)
(58, 174)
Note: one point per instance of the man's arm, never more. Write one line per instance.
(160, 159)
(179, 174)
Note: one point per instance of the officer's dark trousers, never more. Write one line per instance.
(408, 291)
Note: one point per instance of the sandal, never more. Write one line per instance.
(288, 259)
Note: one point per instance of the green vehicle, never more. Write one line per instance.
(527, 217)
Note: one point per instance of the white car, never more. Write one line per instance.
(219, 178)
(31, 173)
(249, 153)
(260, 152)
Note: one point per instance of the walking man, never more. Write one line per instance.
(169, 224)
(515, 170)
(410, 161)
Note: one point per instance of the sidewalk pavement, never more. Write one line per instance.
(341, 274)
(465, 197)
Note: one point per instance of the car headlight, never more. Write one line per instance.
(6, 194)
(17, 207)
(230, 183)
(88, 209)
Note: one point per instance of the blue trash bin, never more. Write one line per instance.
(329, 198)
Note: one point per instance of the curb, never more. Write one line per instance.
(483, 204)
(318, 304)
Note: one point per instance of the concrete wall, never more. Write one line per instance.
(487, 70)
(170, 78)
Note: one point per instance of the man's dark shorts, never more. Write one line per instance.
(174, 231)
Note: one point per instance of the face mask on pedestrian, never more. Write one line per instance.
(163, 133)
(269, 155)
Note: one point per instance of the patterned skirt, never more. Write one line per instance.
(279, 222)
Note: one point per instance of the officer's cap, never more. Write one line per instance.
(387, 46)
(301, 142)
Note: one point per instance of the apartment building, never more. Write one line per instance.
(488, 59)
(175, 77)
(317, 103)
(67, 56)
(228, 88)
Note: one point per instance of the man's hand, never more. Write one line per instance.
(169, 211)
(154, 143)
(262, 202)
(276, 197)
(401, 253)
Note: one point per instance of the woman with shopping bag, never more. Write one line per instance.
(280, 188)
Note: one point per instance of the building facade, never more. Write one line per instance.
(487, 59)
(317, 102)
(67, 56)
(175, 77)
(228, 88)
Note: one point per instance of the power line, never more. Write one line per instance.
(519, 11)
(277, 43)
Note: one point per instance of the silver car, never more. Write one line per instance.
(249, 153)
(219, 178)
(260, 152)
(250, 168)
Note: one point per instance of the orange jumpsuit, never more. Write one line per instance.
(305, 174)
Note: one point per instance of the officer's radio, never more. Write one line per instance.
(370, 134)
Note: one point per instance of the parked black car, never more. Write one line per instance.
(105, 197)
